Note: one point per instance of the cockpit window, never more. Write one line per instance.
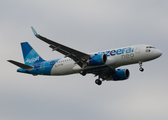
(150, 47)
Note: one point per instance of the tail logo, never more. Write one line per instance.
(32, 60)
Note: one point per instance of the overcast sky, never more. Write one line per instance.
(88, 26)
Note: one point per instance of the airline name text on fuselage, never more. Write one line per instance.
(118, 51)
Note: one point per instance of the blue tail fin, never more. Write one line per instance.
(29, 54)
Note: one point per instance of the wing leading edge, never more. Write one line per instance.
(77, 56)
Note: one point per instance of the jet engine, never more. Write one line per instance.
(121, 74)
(97, 59)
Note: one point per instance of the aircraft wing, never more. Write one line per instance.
(77, 56)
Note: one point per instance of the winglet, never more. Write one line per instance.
(34, 31)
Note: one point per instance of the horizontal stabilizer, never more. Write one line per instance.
(20, 64)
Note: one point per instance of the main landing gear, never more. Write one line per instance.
(83, 72)
(98, 81)
(141, 69)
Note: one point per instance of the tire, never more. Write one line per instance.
(98, 82)
(141, 69)
(82, 72)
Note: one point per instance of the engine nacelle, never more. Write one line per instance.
(121, 74)
(98, 59)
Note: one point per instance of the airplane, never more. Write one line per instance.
(103, 64)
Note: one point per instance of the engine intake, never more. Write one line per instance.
(98, 59)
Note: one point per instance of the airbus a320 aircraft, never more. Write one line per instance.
(103, 64)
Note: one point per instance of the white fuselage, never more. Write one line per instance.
(115, 58)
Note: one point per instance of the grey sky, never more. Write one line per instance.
(86, 25)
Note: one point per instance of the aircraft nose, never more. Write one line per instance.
(158, 53)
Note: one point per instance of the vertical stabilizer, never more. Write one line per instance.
(29, 54)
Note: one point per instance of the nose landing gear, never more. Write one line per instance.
(141, 69)
(140, 64)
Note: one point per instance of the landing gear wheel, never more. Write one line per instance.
(98, 82)
(140, 64)
(141, 69)
(82, 72)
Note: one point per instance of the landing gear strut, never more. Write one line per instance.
(98, 81)
(141, 69)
